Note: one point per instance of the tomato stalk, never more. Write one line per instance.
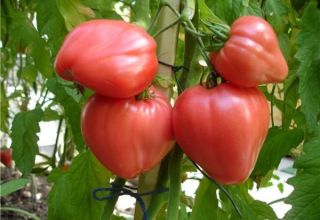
(110, 204)
(175, 184)
(166, 42)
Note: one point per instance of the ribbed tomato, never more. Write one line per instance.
(251, 56)
(222, 129)
(113, 58)
(128, 136)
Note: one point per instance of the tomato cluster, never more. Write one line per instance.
(127, 134)
(222, 128)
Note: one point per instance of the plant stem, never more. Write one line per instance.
(157, 200)
(110, 204)
(21, 211)
(174, 184)
(272, 103)
(53, 160)
(276, 201)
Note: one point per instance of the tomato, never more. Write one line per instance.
(128, 136)
(222, 129)
(113, 58)
(251, 56)
(6, 156)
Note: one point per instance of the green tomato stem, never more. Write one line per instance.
(158, 200)
(174, 184)
(110, 204)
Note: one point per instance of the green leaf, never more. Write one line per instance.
(308, 55)
(25, 127)
(71, 196)
(206, 203)
(51, 23)
(276, 13)
(250, 208)
(12, 186)
(277, 145)
(231, 10)
(74, 12)
(103, 8)
(305, 198)
(22, 34)
(163, 81)
(50, 115)
(72, 109)
(4, 111)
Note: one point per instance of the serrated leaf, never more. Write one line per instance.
(250, 208)
(72, 110)
(74, 12)
(277, 145)
(25, 127)
(12, 186)
(22, 34)
(231, 10)
(50, 23)
(73, 189)
(305, 198)
(276, 12)
(308, 55)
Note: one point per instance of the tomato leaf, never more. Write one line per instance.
(71, 107)
(74, 12)
(50, 23)
(103, 8)
(308, 55)
(71, 195)
(22, 34)
(276, 146)
(231, 10)
(250, 208)
(206, 203)
(25, 127)
(305, 198)
(276, 13)
(12, 186)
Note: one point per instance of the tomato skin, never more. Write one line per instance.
(113, 58)
(6, 156)
(222, 129)
(251, 56)
(128, 136)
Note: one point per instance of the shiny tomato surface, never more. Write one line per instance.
(222, 129)
(251, 56)
(113, 58)
(128, 136)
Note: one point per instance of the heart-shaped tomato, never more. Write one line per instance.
(128, 136)
(251, 56)
(222, 129)
(113, 58)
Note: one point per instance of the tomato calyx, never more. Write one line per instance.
(145, 95)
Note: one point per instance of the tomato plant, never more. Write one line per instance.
(55, 55)
(113, 58)
(251, 56)
(225, 133)
(128, 136)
